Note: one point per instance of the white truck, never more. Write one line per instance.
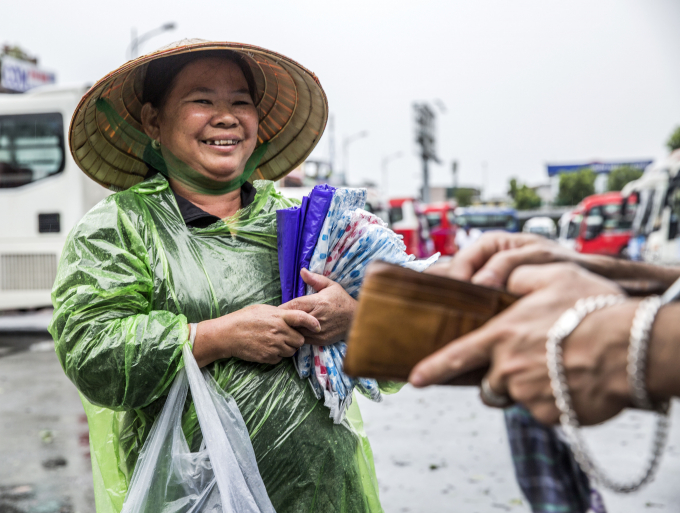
(655, 226)
(43, 194)
(663, 242)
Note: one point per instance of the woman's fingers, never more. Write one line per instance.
(300, 319)
(304, 303)
(467, 353)
(316, 281)
(295, 340)
(286, 351)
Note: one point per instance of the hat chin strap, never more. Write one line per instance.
(172, 167)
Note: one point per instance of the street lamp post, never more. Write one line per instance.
(385, 161)
(345, 151)
(135, 41)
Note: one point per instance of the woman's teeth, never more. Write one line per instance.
(222, 142)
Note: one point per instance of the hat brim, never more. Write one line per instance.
(291, 104)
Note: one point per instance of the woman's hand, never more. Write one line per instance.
(595, 354)
(258, 333)
(331, 306)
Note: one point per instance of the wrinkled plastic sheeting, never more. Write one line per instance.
(298, 230)
(222, 477)
(349, 240)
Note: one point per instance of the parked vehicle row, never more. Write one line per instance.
(432, 228)
(640, 222)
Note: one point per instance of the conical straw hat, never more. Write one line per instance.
(291, 105)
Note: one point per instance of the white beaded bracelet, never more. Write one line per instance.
(564, 326)
(637, 353)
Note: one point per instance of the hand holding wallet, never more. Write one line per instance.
(404, 316)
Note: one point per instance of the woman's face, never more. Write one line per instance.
(208, 121)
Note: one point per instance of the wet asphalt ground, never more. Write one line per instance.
(44, 444)
(436, 450)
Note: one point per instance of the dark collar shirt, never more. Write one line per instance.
(196, 217)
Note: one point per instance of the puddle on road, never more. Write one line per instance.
(31, 499)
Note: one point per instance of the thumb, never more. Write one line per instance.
(317, 281)
(300, 319)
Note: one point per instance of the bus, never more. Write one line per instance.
(488, 218)
(43, 194)
(662, 245)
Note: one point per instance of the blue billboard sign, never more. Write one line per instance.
(597, 167)
(20, 76)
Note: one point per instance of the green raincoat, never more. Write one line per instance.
(131, 277)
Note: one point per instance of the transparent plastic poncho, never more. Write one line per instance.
(130, 278)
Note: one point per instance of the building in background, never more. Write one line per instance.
(19, 72)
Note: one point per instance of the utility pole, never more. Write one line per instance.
(135, 41)
(385, 161)
(426, 139)
(345, 152)
(331, 142)
(454, 170)
(485, 169)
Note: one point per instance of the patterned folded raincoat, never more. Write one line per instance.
(131, 277)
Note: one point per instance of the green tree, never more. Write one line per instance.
(621, 176)
(526, 198)
(512, 188)
(673, 142)
(464, 196)
(575, 186)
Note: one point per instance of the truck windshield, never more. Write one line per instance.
(486, 221)
(31, 148)
(612, 221)
(434, 219)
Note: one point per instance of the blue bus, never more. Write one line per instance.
(488, 218)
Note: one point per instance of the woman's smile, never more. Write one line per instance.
(221, 142)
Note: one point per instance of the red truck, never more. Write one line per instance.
(407, 219)
(603, 228)
(441, 221)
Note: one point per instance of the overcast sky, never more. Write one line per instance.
(524, 82)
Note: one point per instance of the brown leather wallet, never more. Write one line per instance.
(404, 316)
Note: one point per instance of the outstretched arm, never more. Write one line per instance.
(595, 354)
(491, 260)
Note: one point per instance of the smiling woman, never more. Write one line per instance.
(189, 239)
(204, 119)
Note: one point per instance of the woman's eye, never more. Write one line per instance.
(203, 102)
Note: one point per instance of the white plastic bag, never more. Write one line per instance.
(221, 478)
